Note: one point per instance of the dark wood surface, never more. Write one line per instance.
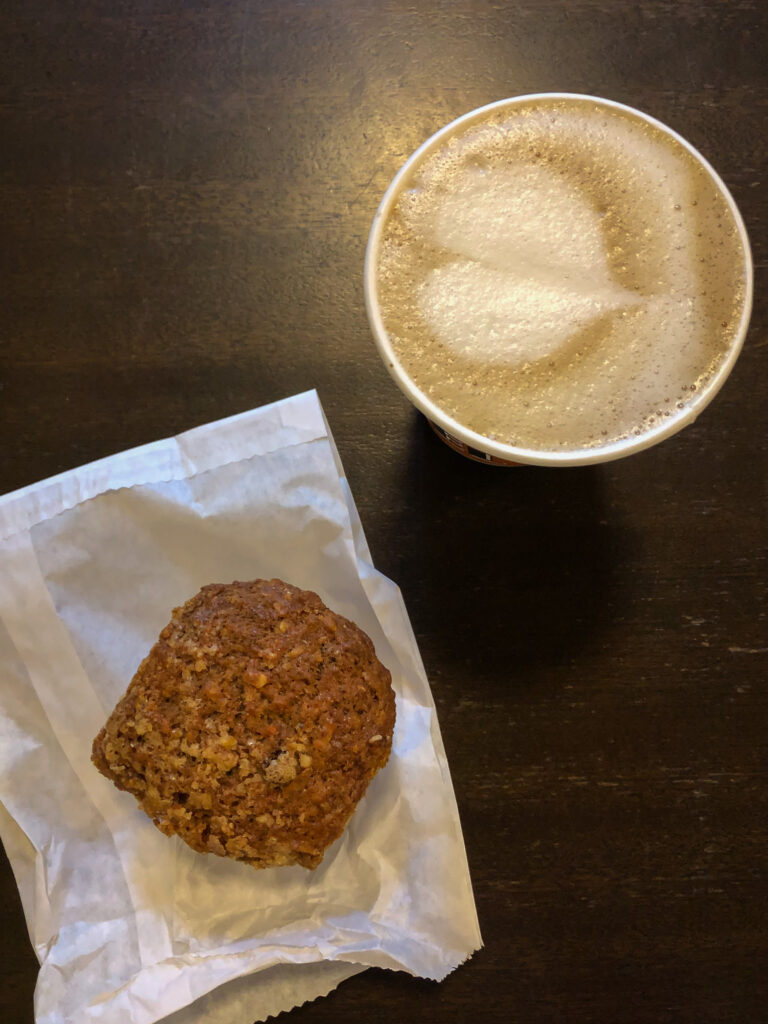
(186, 190)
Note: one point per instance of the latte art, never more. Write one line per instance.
(531, 267)
(557, 277)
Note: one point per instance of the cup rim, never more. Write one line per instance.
(576, 457)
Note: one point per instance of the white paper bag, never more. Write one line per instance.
(127, 923)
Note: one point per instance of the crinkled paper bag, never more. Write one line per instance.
(127, 923)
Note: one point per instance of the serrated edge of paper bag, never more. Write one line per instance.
(373, 582)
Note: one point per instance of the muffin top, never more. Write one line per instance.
(254, 725)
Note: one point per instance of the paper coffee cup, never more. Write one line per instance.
(494, 450)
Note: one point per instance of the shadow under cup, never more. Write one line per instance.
(491, 450)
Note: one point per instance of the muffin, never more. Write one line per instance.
(254, 725)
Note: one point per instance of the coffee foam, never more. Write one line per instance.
(559, 276)
(533, 270)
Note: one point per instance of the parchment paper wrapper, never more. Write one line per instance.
(127, 923)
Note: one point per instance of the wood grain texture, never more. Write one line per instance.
(185, 195)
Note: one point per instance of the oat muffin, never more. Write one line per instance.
(254, 725)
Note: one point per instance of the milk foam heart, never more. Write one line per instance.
(535, 270)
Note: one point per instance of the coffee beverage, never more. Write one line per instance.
(560, 274)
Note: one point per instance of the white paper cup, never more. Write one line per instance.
(494, 452)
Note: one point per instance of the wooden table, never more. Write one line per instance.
(186, 191)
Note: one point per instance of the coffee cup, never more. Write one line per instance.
(558, 279)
